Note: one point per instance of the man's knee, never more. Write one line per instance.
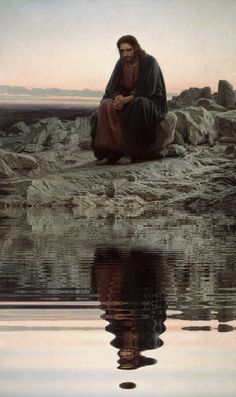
(140, 101)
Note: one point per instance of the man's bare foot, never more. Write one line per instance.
(124, 160)
(103, 161)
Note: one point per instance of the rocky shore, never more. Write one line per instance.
(49, 163)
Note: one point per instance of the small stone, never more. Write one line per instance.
(131, 178)
(111, 190)
(230, 149)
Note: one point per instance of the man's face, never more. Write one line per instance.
(127, 52)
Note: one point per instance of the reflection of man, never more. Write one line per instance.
(132, 108)
(130, 291)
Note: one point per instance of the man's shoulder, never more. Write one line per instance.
(149, 59)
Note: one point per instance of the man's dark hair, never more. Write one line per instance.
(132, 41)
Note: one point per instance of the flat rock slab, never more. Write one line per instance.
(205, 175)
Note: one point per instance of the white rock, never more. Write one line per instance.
(18, 160)
(196, 125)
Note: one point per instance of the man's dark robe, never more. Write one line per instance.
(140, 118)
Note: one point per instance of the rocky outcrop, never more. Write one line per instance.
(189, 97)
(226, 124)
(226, 95)
(195, 126)
(48, 133)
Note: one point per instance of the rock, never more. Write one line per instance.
(73, 139)
(168, 127)
(230, 149)
(19, 128)
(18, 161)
(5, 170)
(165, 136)
(226, 123)
(57, 136)
(131, 178)
(209, 104)
(190, 97)
(227, 139)
(176, 150)
(85, 144)
(226, 95)
(40, 138)
(53, 124)
(32, 148)
(196, 125)
(110, 190)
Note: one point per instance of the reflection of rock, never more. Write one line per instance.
(129, 284)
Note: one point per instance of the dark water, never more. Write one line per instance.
(81, 300)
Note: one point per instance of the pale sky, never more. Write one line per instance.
(71, 44)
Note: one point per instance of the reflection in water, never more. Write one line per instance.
(129, 285)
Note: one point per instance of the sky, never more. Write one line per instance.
(72, 44)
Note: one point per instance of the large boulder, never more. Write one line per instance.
(226, 95)
(18, 160)
(196, 126)
(189, 97)
(165, 136)
(226, 123)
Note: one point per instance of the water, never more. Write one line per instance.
(110, 307)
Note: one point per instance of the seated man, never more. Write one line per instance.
(132, 108)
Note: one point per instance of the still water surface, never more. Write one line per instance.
(108, 307)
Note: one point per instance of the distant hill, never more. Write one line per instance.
(19, 90)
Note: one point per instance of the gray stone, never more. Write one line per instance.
(226, 95)
(226, 123)
(209, 104)
(110, 190)
(131, 178)
(230, 149)
(5, 170)
(40, 138)
(73, 139)
(196, 125)
(18, 160)
(189, 97)
(19, 128)
(176, 150)
(57, 136)
(85, 144)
